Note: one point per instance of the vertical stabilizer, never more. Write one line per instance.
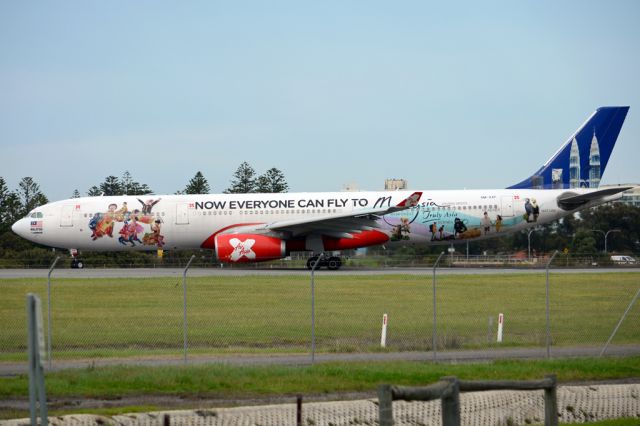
(581, 161)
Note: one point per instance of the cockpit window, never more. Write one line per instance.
(36, 215)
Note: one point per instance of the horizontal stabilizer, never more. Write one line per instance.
(571, 200)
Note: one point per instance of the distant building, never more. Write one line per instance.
(395, 184)
(594, 162)
(630, 197)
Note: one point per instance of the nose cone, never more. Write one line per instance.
(21, 228)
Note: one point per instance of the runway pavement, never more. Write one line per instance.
(484, 355)
(204, 272)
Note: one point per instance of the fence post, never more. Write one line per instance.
(615, 330)
(434, 337)
(551, 403)
(49, 335)
(451, 403)
(35, 344)
(184, 305)
(385, 405)
(548, 338)
(299, 410)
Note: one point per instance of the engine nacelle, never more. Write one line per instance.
(242, 248)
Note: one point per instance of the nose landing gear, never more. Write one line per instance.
(76, 262)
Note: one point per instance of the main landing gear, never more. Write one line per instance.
(332, 263)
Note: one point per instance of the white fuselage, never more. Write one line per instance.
(151, 222)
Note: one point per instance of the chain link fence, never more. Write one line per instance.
(138, 314)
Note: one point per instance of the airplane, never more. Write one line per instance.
(243, 228)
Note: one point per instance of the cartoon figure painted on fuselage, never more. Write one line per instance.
(154, 238)
(148, 205)
(102, 224)
(459, 227)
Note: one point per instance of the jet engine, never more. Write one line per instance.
(241, 248)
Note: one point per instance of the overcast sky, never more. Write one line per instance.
(459, 95)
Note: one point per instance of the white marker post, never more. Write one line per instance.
(383, 338)
(500, 324)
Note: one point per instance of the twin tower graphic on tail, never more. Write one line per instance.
(580, 162)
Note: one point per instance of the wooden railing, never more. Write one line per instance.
(448, 391)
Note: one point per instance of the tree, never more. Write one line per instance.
(111, 186)
(139, 189)
(131, 187)
(197, 185)
(615, 216)
(16, 204)
(244, 180)
(114, 186)
(272, 181)
(30, 194)
(7, 201)
(76, 194)
(584, 243)
(94, 191)
(4, 193)
(12, 211)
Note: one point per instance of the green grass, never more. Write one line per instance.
(227, 382)
(247, 381)
(267, 314)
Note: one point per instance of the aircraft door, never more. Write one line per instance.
(507, 206)
(66, 216)
(182, 214)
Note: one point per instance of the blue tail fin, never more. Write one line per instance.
(581, 161)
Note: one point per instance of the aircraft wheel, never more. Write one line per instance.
(80, 265)
(334, 263)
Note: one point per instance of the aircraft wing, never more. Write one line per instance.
(338, 226)
(571, 200)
